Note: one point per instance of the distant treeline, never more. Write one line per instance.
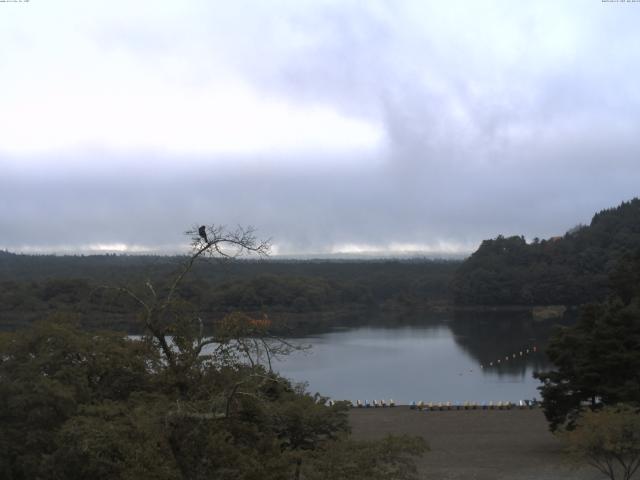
(32, 286)
(573, 269)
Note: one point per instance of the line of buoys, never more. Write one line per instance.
(513, 356)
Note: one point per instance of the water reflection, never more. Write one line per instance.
(436, 361)
(489, 338)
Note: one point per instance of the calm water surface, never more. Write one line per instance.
(430, 363)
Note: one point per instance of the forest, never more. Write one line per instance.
(572, 269)
(306, 295)
(303, 294)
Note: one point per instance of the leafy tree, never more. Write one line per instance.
(48, 373)
(597, 361)
(608, 440)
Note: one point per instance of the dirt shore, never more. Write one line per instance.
(476, 444)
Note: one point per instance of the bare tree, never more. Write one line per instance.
(175, 325)
(608, 439)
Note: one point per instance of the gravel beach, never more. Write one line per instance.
(476, 444)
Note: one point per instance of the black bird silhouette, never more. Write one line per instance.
(202, 231)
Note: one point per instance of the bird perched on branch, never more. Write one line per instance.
(202, 231)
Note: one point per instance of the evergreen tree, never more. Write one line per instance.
(597, 361)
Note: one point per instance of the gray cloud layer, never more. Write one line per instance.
(496, 119)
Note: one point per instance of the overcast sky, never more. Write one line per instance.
(330, 126)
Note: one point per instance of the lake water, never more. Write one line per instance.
(438, 362)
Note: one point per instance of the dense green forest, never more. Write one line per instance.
(300, 293)
(568, 270)
(597, 360)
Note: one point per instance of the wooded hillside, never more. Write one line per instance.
(572, 269)
(32, 287)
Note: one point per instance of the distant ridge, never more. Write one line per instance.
(571, 269)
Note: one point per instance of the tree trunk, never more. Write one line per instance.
(298, 467)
